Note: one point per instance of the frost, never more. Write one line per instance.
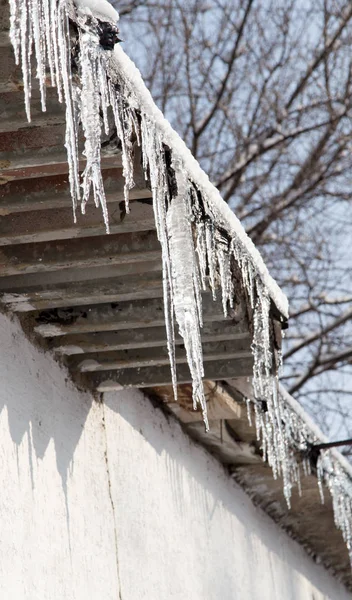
(203, 244)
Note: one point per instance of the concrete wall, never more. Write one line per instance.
(112, 501)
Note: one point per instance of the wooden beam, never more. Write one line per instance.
(5, 18)
(38, 193)
(129, 287)
(118, 316)
(43, 164)
(32, 138)
(10, 73)
(12, 204)
(44, 193)
(220, 405)
(47, 225)
(150, 337)
(35, 283)
(45, 257)
(13, 115)
(105, 381)
(151, 357)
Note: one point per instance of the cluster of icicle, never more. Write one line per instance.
(42, 27)
(287, 448)
(195, 254)
(331, 472)
(292, 458)
(334, 476)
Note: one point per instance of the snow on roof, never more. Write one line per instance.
(223, 215)
(101, 9)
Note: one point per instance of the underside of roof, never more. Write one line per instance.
(176, 280)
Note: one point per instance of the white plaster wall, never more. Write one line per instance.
(112, 501)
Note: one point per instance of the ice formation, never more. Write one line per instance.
(101, 9)
(333, 470)
(203, 244)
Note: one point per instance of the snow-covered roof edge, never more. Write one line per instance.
(289, 450)
(302, 414)
(222, 213)
(333, 470)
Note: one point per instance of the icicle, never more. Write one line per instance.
(39, 44)
(209, 240)
(249, 416)
(226, 278)
(125, 125)
(155, 169)
(339, 484)
(43, 24)
(94, 92)
(58, 45)
(320, 476)
(169, 322)
(61, 44)
(48, 40)
(15, 28)
(26, 54)
(185, 284)
(201, 250)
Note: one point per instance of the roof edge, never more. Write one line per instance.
(221, 211)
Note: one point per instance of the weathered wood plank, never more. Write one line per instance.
(134, 287)
(47, 225)
(105, 381)
(4, 35)
(220, 405)
(4, 16)
(150, 337)
(50, 200)
(12, 111)
(119, 315)
(45, 257)
(44, 163)
(220, 443)
(151, 357)
(31, 138)
(43, 193)
(10, 73)
(33, 193)
(35, 283)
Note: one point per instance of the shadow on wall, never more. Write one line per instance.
(195, 489)
(152, 463)
(41, 404)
